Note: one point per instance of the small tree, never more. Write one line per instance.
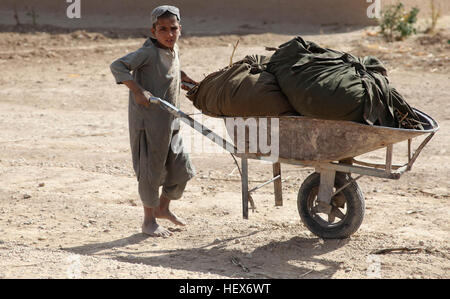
(16, 16)
(33, 15)
(435, 15)
(396, 23)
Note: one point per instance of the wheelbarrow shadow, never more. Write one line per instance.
(298, 257)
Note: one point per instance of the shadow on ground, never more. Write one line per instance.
(297, 257)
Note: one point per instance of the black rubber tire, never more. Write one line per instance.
(355, 205)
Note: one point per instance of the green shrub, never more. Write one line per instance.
(33, 15)
(435, 15)
(396, 23)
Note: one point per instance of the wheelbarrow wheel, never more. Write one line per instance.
(347, 211)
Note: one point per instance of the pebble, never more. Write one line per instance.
(26, 196)
(41, 185)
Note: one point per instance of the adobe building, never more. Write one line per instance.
(229, 15)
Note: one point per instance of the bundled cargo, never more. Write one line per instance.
(242, 89)
(328, 84)
(302, 78)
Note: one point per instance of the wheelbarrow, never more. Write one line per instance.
(330, 202)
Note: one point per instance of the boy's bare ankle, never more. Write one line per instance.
(167, 214)
(153, 229)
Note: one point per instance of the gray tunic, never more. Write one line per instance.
(161, 160)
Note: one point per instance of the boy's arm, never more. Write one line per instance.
(121, 70)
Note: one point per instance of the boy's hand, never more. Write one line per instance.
(187, 79)
(139, 96)
(141, 99)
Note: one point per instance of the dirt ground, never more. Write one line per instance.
(69, 205)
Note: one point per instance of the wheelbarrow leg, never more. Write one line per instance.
(277, 184)
(244, 166)
(326, 190)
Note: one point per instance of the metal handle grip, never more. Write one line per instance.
(188, 85)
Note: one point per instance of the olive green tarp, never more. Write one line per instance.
(302, 78)
(243, 89)
(328, 84)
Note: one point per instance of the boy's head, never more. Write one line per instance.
(166, 26)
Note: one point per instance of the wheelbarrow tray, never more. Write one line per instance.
(308, 139)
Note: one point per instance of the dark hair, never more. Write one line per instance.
(165, 15)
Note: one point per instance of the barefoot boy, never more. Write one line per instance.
(158, 158)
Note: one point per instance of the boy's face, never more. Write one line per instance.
(167, 31)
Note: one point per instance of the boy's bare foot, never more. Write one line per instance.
(155, 230)
(166, 214)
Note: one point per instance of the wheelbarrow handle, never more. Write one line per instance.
(156, 100)
(191, 122)
(188, 85)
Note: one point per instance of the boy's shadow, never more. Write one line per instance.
(297, 257)
(92, 249)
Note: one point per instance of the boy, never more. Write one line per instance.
(158, 158)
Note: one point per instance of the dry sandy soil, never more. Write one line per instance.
(69, 205)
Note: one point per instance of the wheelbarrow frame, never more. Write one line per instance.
(327, 169)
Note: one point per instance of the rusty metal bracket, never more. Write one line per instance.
(418, 150)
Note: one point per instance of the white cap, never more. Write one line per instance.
(160, 10)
